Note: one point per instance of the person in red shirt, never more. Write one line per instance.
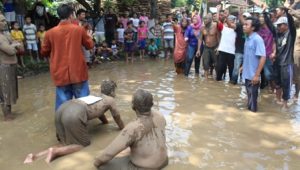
(63, 44)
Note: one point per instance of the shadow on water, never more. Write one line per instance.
(208, 126)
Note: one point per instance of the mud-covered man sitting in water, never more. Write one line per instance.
(145, 137)
(71, 123)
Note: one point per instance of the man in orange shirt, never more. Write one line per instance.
(68, 69)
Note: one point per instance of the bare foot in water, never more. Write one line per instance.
(50, 155)
(29, 159)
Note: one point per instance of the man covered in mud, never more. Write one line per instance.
(8, 71)
(211, 37)
(145, 137)
(71, 121)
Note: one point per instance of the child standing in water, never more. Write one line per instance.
(120, 32)
(114, 49)
(142, 36)
(30, 31)
(157, 33)
(129, 41)
(41, 35)
(18, 37)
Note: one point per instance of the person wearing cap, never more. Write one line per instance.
(145, 137)
(226, 48)
(285, 57)
(254, 60)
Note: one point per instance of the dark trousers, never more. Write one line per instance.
(224, 60)
(284, 78)
(189, 59)
(252, 93)
(109, 36)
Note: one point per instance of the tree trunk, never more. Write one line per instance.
(97, 5)
(153, 11)
(85, 4)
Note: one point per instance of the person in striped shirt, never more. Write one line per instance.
(168, 36)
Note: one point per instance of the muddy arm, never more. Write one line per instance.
(7, 48)
(119, 121)
(120, 143)
(115, 114)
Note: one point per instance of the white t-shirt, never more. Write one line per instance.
(227, 42)
(120, 33)
(114, 49)
(135, 22)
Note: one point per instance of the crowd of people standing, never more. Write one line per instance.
(259, 48)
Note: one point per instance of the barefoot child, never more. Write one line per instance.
(142, 35)
(71, 121)
(129, 42)
(30, 31)
(120, 32)
(114, 49)
(41, 35)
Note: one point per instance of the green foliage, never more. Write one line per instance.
(1, 6)
(129, 2)
(274, 3)
(108, 4)
(178, 3)
(190, 2)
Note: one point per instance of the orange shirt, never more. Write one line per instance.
(63, 44)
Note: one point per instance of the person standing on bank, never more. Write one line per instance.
(67, 63)
(8, 71)
(254, 60)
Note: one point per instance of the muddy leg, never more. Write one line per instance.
(103, 119)
(6, 109)
(61, 151)
(32, 157)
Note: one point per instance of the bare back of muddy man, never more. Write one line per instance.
(211, 35)
(146, 139)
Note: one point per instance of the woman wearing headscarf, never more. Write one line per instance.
(180, 45)
(192, 34)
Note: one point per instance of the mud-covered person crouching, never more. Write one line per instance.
(145, 137)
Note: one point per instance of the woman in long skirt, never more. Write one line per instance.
(180, 46)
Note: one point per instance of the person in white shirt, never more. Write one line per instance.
(120, 32)
(226, 48)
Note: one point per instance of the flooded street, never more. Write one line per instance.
(208, 125)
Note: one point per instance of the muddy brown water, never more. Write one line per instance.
(208, 126)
